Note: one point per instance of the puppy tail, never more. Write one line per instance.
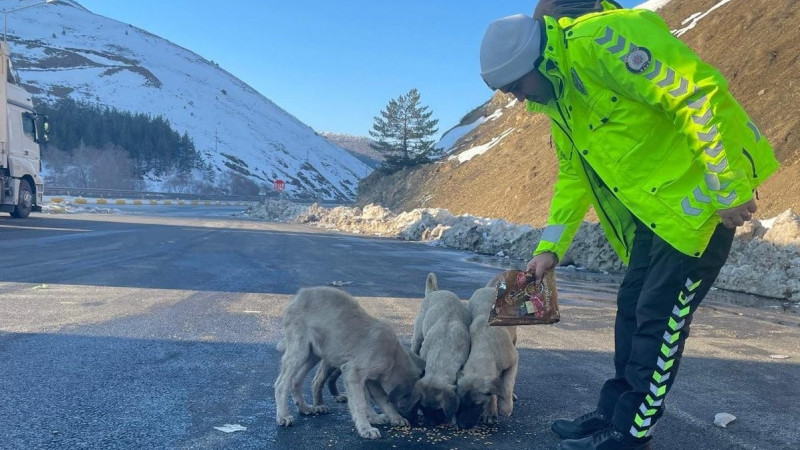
(431, 283)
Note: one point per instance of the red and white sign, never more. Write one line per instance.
(280, 185)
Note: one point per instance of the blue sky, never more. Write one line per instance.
(335, 65)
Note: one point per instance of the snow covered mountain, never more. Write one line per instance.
(61, 49)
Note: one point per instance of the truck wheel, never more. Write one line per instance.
(25, 203)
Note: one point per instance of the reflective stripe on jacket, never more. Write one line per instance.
(642, 126)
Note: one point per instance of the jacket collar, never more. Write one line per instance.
(551, 63)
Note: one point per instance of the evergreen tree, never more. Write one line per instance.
(150, 142)
(404, 132)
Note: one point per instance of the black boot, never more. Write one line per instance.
(607, 439)
(581, 427)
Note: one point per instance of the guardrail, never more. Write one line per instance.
(144, 195)
(51, 191)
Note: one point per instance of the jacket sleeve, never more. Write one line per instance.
(568, 206)
(635, 55)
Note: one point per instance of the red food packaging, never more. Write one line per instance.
(520, 300)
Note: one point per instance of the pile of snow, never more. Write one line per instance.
(278, 210)
(763, 261)
(69, 207)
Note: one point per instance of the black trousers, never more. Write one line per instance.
(657, 298)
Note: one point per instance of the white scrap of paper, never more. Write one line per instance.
(230, 428)
(340, 283)
(779, 356)
(723, 419)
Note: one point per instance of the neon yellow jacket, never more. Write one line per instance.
(642, 126)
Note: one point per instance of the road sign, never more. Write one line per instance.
(280, 185)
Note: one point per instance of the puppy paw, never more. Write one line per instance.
(369, 433)
(285, 421)
(341, 398)
(489, 419)
(305, 410)
(504, 409)
(400, 422)
(320, 409)
(379, 419)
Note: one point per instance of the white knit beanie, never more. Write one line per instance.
(509, 49)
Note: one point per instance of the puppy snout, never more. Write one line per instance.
(468, 414)
(434, 416)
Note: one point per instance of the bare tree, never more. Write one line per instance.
(80, 170)
(241, 185)
(56, 164)
(113, 169)
(90, 167)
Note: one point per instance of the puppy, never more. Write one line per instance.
(326, 324)
(441, 338)
(486, 384)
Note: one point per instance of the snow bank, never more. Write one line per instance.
(763, 261)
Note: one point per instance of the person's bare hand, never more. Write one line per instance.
(541, 262)
(737, 216)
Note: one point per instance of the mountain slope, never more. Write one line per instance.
(63, 50)
(509, 166)
(358, 146)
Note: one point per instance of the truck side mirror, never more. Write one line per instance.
(45, 129)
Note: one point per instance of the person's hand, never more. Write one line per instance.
(737, 216)
(540, 263)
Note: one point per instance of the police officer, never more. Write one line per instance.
(650, 136)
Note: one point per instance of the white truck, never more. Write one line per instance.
(21, 130)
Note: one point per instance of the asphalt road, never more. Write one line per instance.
(138, 331)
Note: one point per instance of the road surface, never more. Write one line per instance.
(151, 331)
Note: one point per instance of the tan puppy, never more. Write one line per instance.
(325, 323)
(441, 338)
(486, 384)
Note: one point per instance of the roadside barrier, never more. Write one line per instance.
(140, 202)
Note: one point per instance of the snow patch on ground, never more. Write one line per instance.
(653, 5)
(480, 149)
(694, 18)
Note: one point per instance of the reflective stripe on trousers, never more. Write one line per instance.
(655, 304)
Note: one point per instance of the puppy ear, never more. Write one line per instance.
(497, 387)
(490, 385)
(418, 362)
(416, 392)
(431, 284)
(465, 383)
(450, 402)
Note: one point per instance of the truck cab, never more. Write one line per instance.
(21, 131)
